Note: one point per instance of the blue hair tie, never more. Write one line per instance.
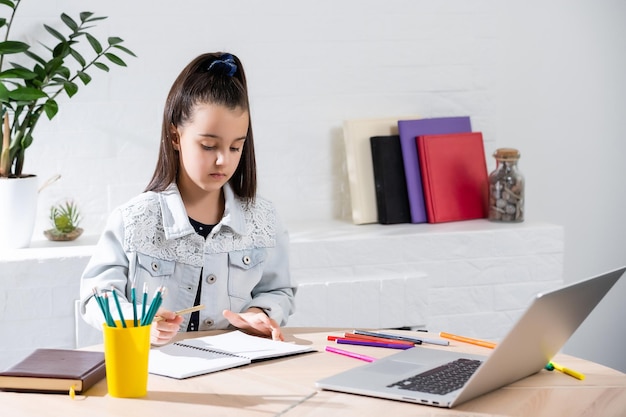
(226, 61)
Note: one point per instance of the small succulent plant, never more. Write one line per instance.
(65, 217)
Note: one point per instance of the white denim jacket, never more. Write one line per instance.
(244, 260)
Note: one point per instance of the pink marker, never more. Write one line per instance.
(350, 354)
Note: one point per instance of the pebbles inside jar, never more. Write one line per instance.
(506, 188)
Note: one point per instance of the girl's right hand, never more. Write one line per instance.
(164, 330)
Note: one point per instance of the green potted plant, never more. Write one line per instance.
(30, 83)
(65, 218)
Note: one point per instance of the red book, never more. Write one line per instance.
(454, 176)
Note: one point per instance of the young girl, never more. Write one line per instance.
(199, 230)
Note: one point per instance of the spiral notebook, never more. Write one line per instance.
(203, 355)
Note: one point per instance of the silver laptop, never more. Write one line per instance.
(538, 335)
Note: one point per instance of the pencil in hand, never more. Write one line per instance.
(184, 311)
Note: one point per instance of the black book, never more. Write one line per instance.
(392, 200)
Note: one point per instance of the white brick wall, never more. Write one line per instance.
(37, 303)
(472, 278)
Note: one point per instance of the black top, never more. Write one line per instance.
(203, 230)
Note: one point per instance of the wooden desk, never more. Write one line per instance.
(285, 387)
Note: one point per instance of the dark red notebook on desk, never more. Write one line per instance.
(454, 176)
(55, 371)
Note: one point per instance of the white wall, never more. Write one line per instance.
(546, 77)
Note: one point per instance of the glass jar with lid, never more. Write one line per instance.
(506, 188)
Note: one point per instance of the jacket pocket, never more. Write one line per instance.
(155, 267)
(246, 259)
(151, 271)
(245, 271)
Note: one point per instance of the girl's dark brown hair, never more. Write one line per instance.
(200, 82)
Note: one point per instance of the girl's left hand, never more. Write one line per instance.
(255, 321)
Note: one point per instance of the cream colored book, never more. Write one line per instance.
(357, 134)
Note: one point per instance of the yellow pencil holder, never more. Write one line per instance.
(126, 351)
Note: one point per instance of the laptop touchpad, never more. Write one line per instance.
(394, 367)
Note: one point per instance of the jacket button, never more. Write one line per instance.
(210, 279)
(155, 266)
(246, 260)
(208, 322)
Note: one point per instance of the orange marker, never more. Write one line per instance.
(464, 339)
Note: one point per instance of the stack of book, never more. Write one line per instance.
(412, 170)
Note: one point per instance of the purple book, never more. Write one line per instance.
(409, 130)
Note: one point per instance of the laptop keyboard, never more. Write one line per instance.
(441, 380)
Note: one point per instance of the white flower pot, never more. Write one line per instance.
(18, 211)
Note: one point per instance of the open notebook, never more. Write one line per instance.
(203, 355)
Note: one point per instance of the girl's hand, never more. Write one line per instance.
(164, 330)
(256, 322)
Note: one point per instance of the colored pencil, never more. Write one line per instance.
(183, 311)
